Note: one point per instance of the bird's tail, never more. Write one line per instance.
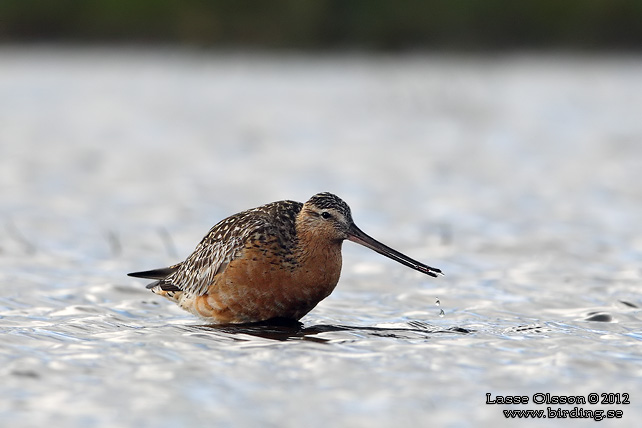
(158, 274)
(163, 284)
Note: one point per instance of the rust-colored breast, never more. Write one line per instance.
(268, 281)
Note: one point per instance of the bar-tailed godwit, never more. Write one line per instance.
(275, 261)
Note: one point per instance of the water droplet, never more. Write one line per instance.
(437, 302)
(441, 313)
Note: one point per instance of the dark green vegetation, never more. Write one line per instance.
(329, 24)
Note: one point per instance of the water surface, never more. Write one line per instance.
(517, 175)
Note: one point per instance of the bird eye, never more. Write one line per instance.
(326, 215)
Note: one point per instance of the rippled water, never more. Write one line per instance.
(519, 176)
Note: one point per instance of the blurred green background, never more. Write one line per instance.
(331, 24)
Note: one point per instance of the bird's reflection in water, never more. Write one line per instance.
(284, 329)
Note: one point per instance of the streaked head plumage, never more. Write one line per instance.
(328, 214)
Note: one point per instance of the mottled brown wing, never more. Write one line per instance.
(210, 258)
(226, 240)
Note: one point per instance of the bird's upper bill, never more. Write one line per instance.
(357, 235)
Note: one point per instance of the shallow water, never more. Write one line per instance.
(517, 175)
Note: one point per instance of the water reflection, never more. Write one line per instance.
(282, 330)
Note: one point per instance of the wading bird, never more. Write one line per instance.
(277, 261)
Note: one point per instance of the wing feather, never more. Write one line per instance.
(224, 243)
(221, 245)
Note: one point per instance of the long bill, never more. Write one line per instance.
(357, 235)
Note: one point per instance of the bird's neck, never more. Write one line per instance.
(318, 254)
